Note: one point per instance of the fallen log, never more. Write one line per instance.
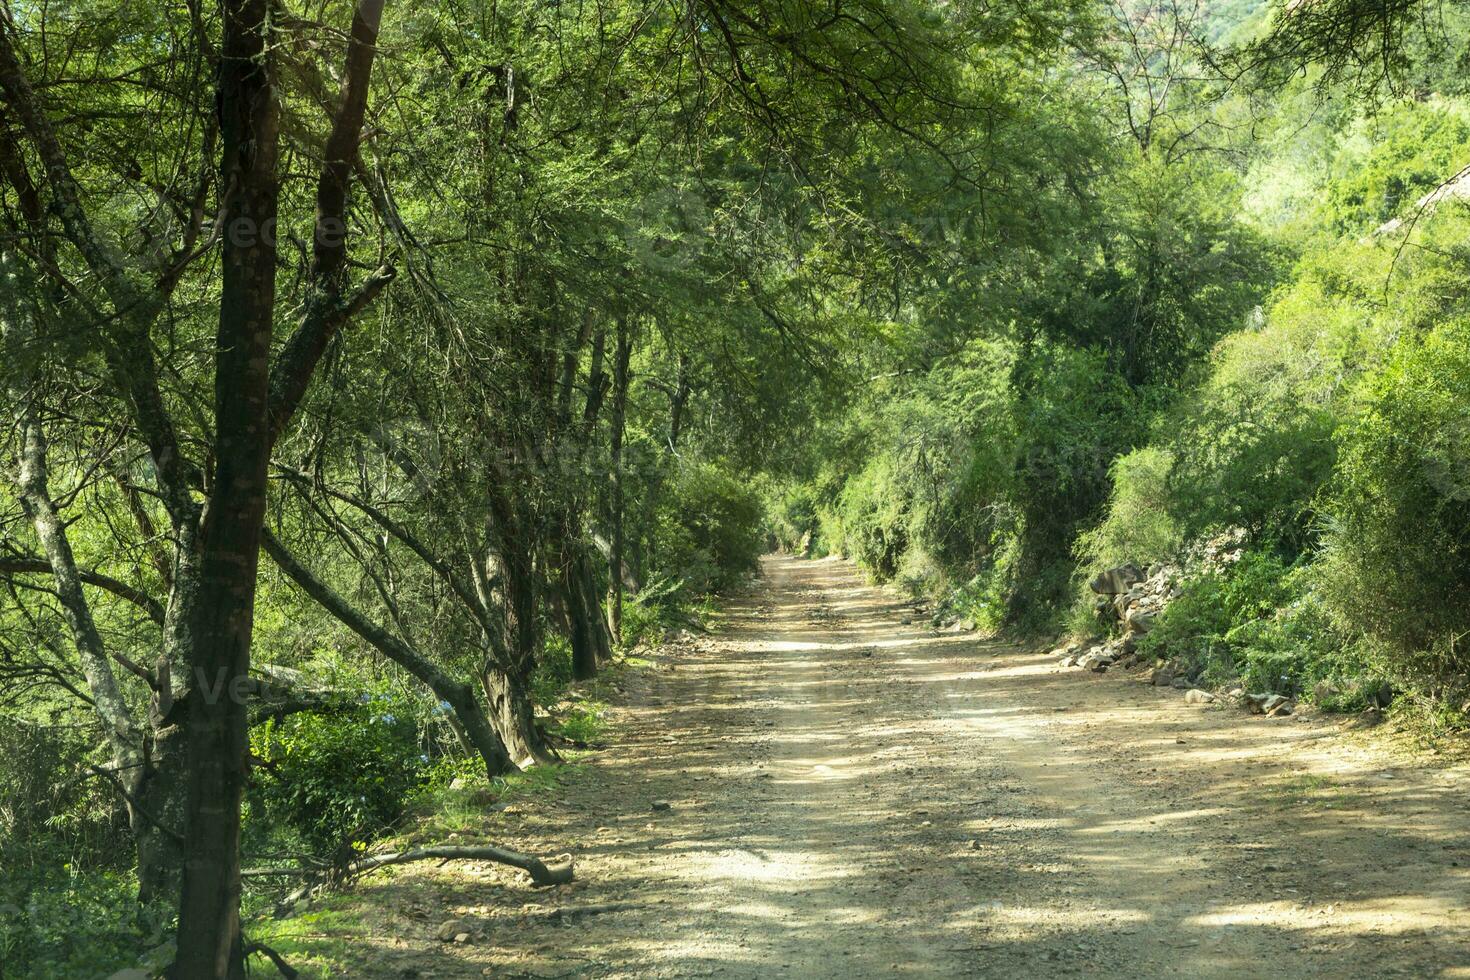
(542, 874)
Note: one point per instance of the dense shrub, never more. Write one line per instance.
(791, 516)
(59, 923)
(1397, 555)
(711, 533)
(1261, 624)
(1138, 526)
(1073, 414)
(50, 805)
(873, 510)
(339, 778)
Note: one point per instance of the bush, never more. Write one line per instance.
(1256, 623)
(57, 922)
(1396, 564)
(873, 514)
(791, 514)
(338, 779)
(710, 536)
(656, 607)
(1138, 526)
(50, 806)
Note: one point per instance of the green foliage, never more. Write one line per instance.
(58, 922)
(710, 528)
(1389, 161)
(583, 723)
(338, 779)
(659, 606)
(1258, 623)
(553, 669)
(1396, 564)
(791, 515)
(1138, 526)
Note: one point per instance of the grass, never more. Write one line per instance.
(328, 940)
(331, 938)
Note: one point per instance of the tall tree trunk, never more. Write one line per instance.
(591, 643)
(223, 617)
(156, 839)
(616, 571)
(507, 684)
(579, 621)
(678, 400)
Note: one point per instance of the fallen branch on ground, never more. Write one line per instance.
(281, 965)
(542, 874)
(571, 912)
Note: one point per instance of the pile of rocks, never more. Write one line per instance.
(1132, 598)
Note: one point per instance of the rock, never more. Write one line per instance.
(1161, 677)
(1368, 718)
(1140, 620)
(1116, 580)
(1120, 606)
(1281, 710)
(463, 937)
(160, 956)
(1325, 691)
(452, 929)
(660, 806)
(1096, 660)
(907, 621)
(1195, 696)
(1380, 695)
(1129, 643)
(1067, 660)
(1181, 682)
(1265, 704)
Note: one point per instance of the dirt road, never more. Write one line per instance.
(852, 797)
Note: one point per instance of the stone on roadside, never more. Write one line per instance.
(1114, 581)
(452, 929)
(1161, 677)
(1140, 620)
(1196, 696)
(1265, 704)
(660, 806)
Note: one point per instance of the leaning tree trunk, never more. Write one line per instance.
(514, 717)
(480, 730)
